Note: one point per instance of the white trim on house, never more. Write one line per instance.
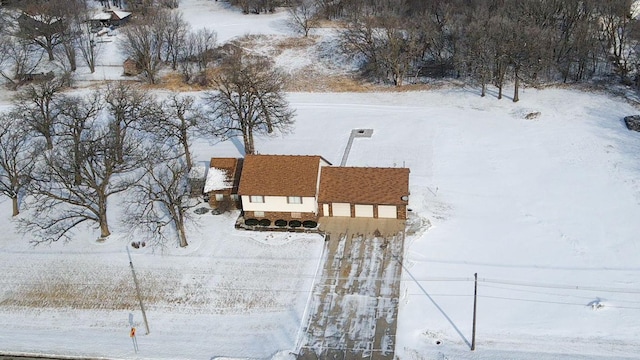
(280, 204)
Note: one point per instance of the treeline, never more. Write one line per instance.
(487, 42)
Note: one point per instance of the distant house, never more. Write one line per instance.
(222, 183)
(110, 17)
(364, 192)
(277, 188)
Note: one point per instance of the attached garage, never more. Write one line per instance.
(364, 211)
(387, 211)
(364, 192)
(341, 209)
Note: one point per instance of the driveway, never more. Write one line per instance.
(355, 304)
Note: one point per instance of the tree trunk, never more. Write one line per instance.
(50, 53)
(102, 218)
(483, 92)
(182, 233)
(77, 164)
(104, 227)
(185, 144)
(516, 86)
(248, 142)
(49, 140)
(16, 209)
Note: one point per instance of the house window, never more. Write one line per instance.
(235, 197)
(294, 200)
(219, 197)
(295, 215)
(258, 214)
(256, 198)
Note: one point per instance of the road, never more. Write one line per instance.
(355, 304)
(15, 357)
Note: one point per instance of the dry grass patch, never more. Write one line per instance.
(308, 80)
(295, 43)
(102, 292)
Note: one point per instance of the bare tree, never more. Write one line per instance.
(175, 30)
(87, 43)
(158, 203)
(302, 15)
(16, 159)
(390, 45)
(43, 26)
(58, 206)
(250, 100)
(36, 106)
(17, 58)
(144, 44)
(617, 23)
(77, 117)
(181, 118)
(128, 109)
(197, 53)
(478, 54)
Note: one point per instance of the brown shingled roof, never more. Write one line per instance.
(364, 185)
(280, 175)
(232, 166)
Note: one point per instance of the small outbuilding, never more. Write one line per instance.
(364, 192)
(130, 67)
(221, 186)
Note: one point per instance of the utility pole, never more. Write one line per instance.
(135, 281)
(475, 301)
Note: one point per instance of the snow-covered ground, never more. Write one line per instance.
(544, 210)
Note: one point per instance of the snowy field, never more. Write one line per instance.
(544, 210)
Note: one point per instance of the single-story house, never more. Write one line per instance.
(281, 188)
(364, 192)
(223, 179)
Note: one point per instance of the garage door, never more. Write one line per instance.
(341, 209)
(364, 211)
(387, 211)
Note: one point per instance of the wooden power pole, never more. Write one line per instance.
(475, 301)
(135, 280)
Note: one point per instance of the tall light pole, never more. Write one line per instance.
(135, 281)
(475, 301)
